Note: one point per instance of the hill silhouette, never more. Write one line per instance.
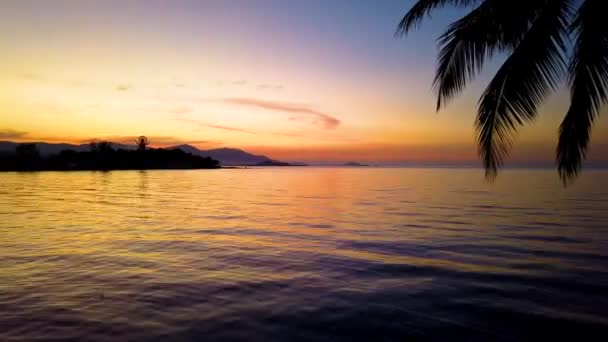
(102, 156)
(226, 156)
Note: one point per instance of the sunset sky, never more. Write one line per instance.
(311, 80)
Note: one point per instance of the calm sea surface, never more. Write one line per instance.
(310, 254)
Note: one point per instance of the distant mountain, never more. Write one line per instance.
(226, 156)
(185, 148)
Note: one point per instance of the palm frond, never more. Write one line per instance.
(494, 25)
(522, 84)
(588, 87)
(423, 8)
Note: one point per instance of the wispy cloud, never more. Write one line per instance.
(290, 135)
(123, 87)
(180, 117)
(154, 140)
(39, 78)
(302, 112)
(181, 110)
(30, 76)
(12, 134)
(265, 86)
(159, 141)
(228, 128)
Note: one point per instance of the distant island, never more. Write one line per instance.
(102, 156)
(39, 156)
(354, 164)
(225, 156)
(271, 162)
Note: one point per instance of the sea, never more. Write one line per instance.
(303, 254)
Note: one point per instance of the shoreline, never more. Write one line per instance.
(115, 169)
(244, 167)
(229, 167)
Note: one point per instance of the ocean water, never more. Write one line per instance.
(303, 254)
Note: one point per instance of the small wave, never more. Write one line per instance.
(547, 238)
(223, 217)
(312, 225)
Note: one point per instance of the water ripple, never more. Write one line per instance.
(302, 254)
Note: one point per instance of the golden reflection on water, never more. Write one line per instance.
(79, 212)
(68, 238)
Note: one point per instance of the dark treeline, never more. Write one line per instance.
(102, 156)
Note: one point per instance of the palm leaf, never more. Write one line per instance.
(494, 25)
(423, 8)
(588, 87)
(522, 84)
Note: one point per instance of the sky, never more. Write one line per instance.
(310, 81)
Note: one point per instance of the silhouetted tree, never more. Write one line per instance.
(101, 147)
(103, 157)
(27, 156)
(29, 151)
(535, 34)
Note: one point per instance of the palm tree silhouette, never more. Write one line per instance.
(536, 35)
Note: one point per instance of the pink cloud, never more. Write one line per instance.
(304, 112)
(180, 117)
(228, 128)
(181, 110)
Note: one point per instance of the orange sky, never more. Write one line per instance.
(298, 81)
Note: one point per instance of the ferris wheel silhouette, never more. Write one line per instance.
(142, 142)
